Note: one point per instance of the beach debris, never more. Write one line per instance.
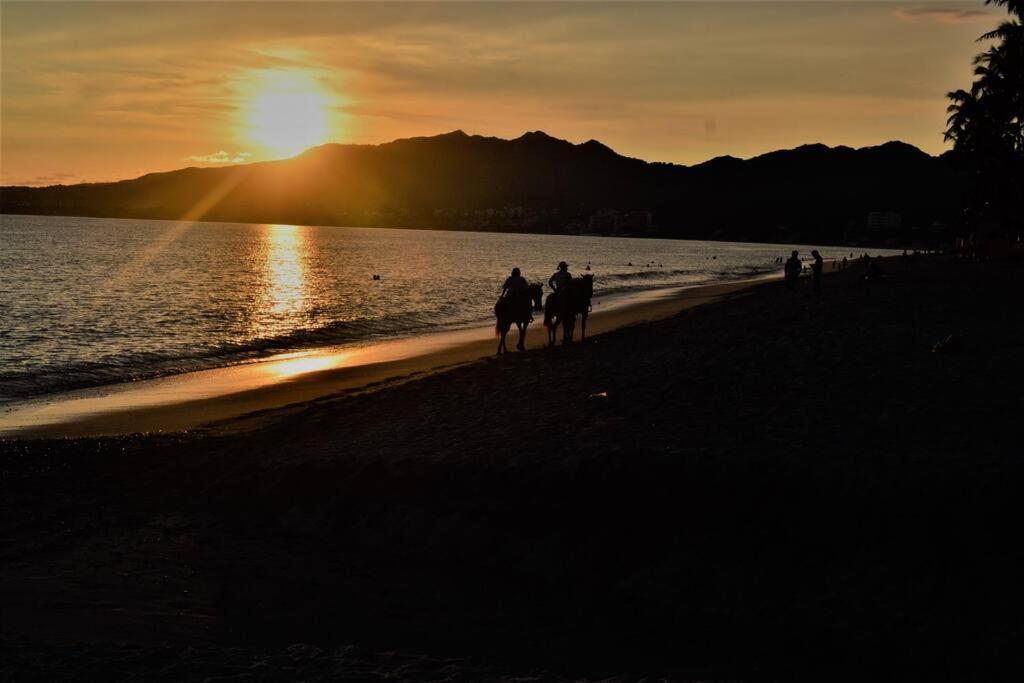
(600, 394)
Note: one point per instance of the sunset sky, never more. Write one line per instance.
(103, 91)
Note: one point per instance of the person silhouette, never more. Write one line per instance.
(792, 271)
(513, 283)
(561, 278)
(559, 284)
(816, 271)
(874, 271)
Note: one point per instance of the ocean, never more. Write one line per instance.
(92, 301)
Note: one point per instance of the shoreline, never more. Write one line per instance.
(243, 396)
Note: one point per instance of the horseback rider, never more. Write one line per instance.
(514, 283)
(559, 284)
(515, 292)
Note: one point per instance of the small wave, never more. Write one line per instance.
(649, 274)
(31, 382)
(612, 285)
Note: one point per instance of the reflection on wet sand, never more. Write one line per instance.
(61, 412)
(294, 364)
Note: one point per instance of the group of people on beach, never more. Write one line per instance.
(569, 302)
(558, 283)
(794, 267)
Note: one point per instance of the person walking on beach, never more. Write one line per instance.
(816, 271)
(792, 271)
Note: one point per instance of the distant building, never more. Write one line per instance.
(613, 221)
(603, 220)
(884, 220)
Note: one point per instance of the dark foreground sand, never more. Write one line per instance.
(759, 488)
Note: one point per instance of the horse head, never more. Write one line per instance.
(537, 295)
(587, 285)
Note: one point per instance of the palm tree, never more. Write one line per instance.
(986, 123)
(1015, 7)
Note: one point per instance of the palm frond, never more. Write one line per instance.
(1015, 7)
(1005, 31)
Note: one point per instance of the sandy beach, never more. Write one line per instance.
(756, 487)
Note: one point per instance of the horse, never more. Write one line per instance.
(563, 308)
(516, 308)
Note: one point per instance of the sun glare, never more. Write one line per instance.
(287, 112)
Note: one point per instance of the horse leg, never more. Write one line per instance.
(501, 340)
(583, 326)
(522, 336)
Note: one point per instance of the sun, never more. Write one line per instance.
(286, 112)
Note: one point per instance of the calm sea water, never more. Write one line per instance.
(87, 301)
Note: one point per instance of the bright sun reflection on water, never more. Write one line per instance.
(284, 293)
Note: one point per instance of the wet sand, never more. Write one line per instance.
(220, 397)
(760, 488)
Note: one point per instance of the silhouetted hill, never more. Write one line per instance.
(537, 183)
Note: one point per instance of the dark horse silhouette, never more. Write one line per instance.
(563, 309)
(516, 308)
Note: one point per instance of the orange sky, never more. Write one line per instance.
(101, 91)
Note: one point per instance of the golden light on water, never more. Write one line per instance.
(285, 272)
(286, 111)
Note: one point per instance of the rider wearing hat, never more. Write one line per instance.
(559, 283)
(561, 279)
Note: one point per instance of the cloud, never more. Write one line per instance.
(943, 15)
(221, 157)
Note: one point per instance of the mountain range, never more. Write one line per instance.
(892, 193)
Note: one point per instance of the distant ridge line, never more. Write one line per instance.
(539, 183)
